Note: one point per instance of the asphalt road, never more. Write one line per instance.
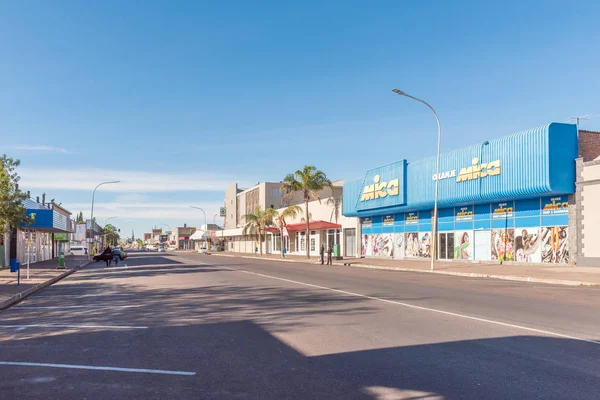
(188, 326)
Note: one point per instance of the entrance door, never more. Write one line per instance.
(446, 246)
(350, 242)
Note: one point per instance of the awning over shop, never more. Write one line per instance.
(313, 226)
(199, 235)
(184, 238)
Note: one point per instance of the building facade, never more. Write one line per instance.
(506, 199)
(327, 225)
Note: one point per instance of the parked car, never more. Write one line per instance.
(171, 248)
(78, 251)
(203, 250)
(162, 249)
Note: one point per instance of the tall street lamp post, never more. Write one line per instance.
(437, 175)
(92, 213)
(205, 227)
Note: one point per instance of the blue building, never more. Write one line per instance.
(505, 199)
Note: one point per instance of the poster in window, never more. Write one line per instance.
(379, 245)
(503, 244)
(555, 244)
(528, 245)
(398, 246)
(411, 244)
(463, 245)
(425, 244)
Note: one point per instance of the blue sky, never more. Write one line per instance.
(180, 98)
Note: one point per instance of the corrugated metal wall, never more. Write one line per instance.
(537, 162)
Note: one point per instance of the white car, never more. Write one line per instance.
(78, 251)
(162, 249)
(202, 250)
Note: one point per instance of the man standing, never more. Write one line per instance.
(322, 253)
(329, 251)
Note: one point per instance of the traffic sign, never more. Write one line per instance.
(223, 212)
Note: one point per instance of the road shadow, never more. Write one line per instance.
(242, 360)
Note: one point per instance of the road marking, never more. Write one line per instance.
(91, 367)
(74, 326)
(84, 295)
(435, 310)
(63, 307)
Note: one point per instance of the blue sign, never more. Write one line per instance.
(383, 187)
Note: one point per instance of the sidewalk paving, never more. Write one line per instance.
(41, 274)
(558, 275)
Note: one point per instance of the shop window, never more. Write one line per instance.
(312, 244)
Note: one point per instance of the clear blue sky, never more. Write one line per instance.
(179, 98)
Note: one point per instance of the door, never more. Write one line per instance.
(350, 242)
(446, 246)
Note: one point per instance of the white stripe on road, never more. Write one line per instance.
(63, 307)
(83, 295)
(74, 326)
(139, 370)
(489, 321)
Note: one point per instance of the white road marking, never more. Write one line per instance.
(83, 295)
(435, 310)
(63, 307)
(91, 367)
(74, 326)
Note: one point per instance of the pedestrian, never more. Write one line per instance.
(284, 251)
(329, 251)
(322, 253)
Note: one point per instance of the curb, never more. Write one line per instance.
(17, 298)
(514, 278)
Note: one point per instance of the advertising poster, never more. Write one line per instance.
(367, 221)
(379, 245)
(411, 244)
(398, 246)
(503, 243)
(483, 244)
(364, 244)
(555, 244)
(412, 218)
(463, 245)
(425, 244)
(528, 245)
(388, 220)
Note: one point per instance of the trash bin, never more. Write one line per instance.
(336, 250)
(61, 260)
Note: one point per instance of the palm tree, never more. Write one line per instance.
(308, 181)
(289, 212)
(257, 223)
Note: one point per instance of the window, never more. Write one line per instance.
(276, 194)
(312, 244)
(277, 242)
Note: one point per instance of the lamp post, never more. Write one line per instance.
(92, 213)
(437, 174)
(205, 227)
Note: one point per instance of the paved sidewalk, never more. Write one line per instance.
(560, 275)
(39, 273)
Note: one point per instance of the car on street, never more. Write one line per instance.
(118, 252)
(78, 251)
(203, 250)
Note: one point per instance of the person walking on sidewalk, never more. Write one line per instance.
(322, 253)
(329, 251)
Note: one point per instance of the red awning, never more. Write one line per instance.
(313, 226)
(184, 238)
(272, 229)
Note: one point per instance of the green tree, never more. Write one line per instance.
(80, 219)
(308, 181)
(257, 223)
(111, 233)
(12, 210)
(289, 212)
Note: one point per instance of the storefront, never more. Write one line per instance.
(505, 199)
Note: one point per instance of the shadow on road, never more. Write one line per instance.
(240, 359)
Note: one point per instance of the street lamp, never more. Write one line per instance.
(92, 213)
(437, 175)
(205, 225)
(108, 219)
